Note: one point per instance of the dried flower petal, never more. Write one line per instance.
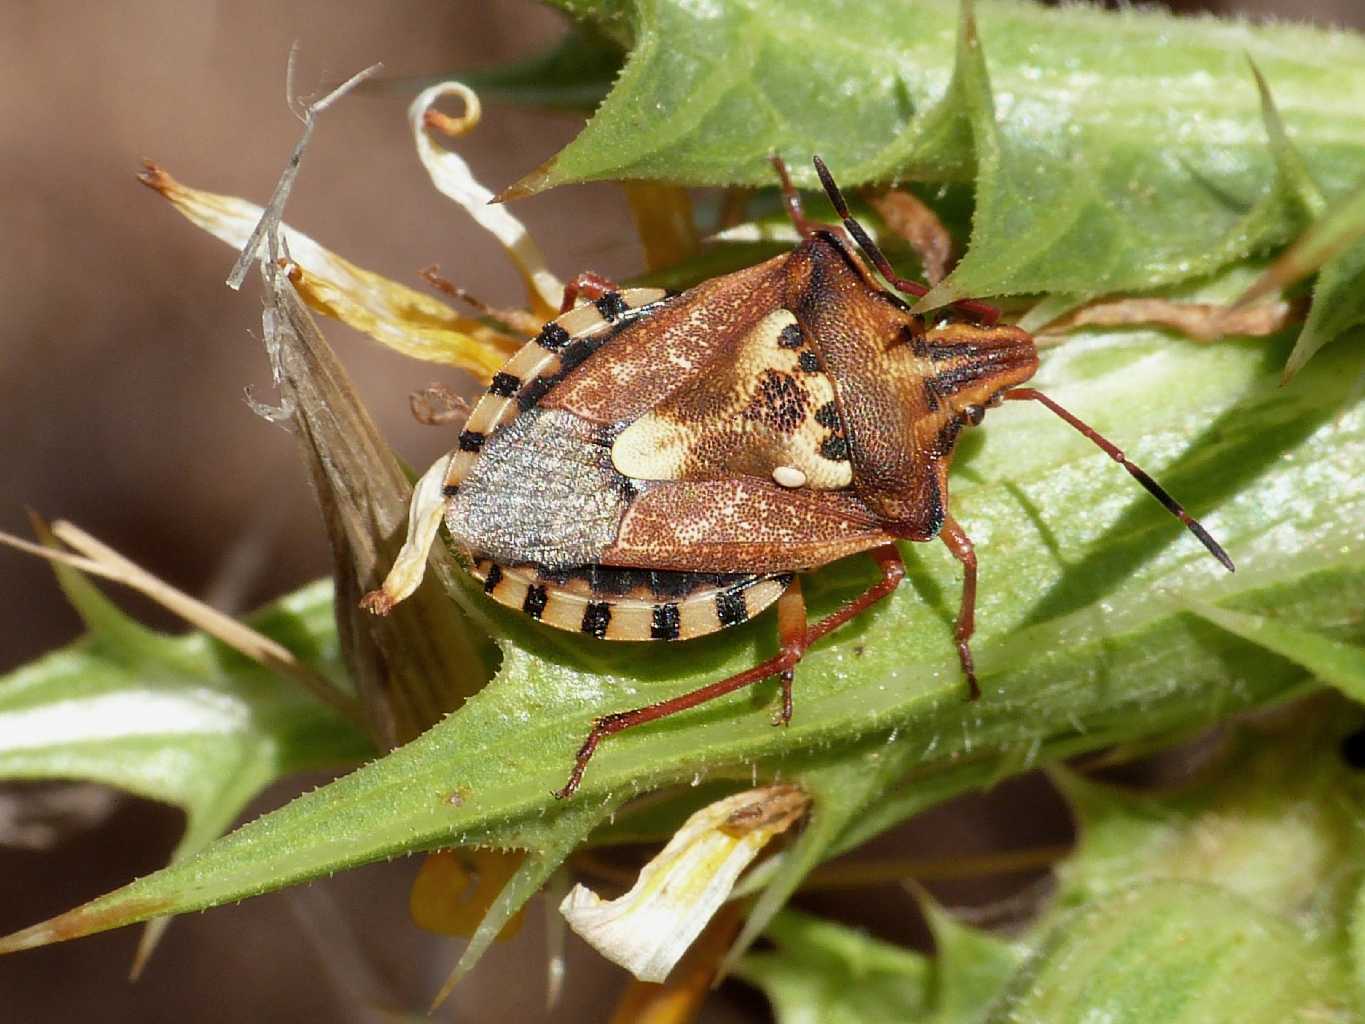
(664, 222)
(406, 320)
(424, 522)
(648, 929)
(453, 178)
(454, 889)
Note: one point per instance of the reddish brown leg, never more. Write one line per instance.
(589, 285)
(791, 635)
(517, 319)
(893, 571)
(792, 200)
(1137, 472)
(957, 542)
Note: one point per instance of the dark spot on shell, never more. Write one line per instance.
(834, 448)
(791, 337)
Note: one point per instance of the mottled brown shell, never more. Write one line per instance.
(765, 422)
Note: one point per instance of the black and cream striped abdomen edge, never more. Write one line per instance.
(631, 604)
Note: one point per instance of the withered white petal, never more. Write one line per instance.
(454, 179)
(648, 929)
(424, 522)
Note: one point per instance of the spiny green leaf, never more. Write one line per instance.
(1082, 642)
(1170, 909)
(970, 967)
(1329, 246)
(178, 719)
(1338, 299)
(1114, 151)
(821, 971)
(181, 720)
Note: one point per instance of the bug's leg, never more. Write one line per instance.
(791, 199)
(961, 547)
(589, 285)
(517, 319)
(893, 571)
(438, 406)
(987, 315)
(1137, 472)
(791, 634)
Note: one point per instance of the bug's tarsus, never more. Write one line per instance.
(588, 285)
(888, 559)
(791, 635)
(957, 542)
(988, 315)
(783, 715)
(1136, 471)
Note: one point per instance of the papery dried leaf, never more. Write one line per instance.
(648, 929)
(399, 317)
(1202, 321)
(906, 215)
(411, 667)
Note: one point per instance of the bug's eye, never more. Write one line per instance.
(974, 414)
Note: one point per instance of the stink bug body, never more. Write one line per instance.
(656, 467)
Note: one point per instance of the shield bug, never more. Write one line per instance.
(659, 467)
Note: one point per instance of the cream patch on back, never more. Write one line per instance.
(772, 405)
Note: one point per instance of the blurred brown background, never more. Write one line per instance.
(121, 408)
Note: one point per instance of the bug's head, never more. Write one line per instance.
(966, 364)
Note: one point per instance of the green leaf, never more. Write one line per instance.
(1338, 300)
(1081, 643)
(829, 973)
(181, 720)
(1234, 898)
(1173, 952)
(970, 967)
(1112, 151)
(1342, 665)
(1236, 894)
(1275, 821)
(821, 971)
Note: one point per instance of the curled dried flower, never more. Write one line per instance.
(648, 929)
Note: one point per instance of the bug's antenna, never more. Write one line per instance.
(989, 314)
(1138, 473)
(860, 234)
